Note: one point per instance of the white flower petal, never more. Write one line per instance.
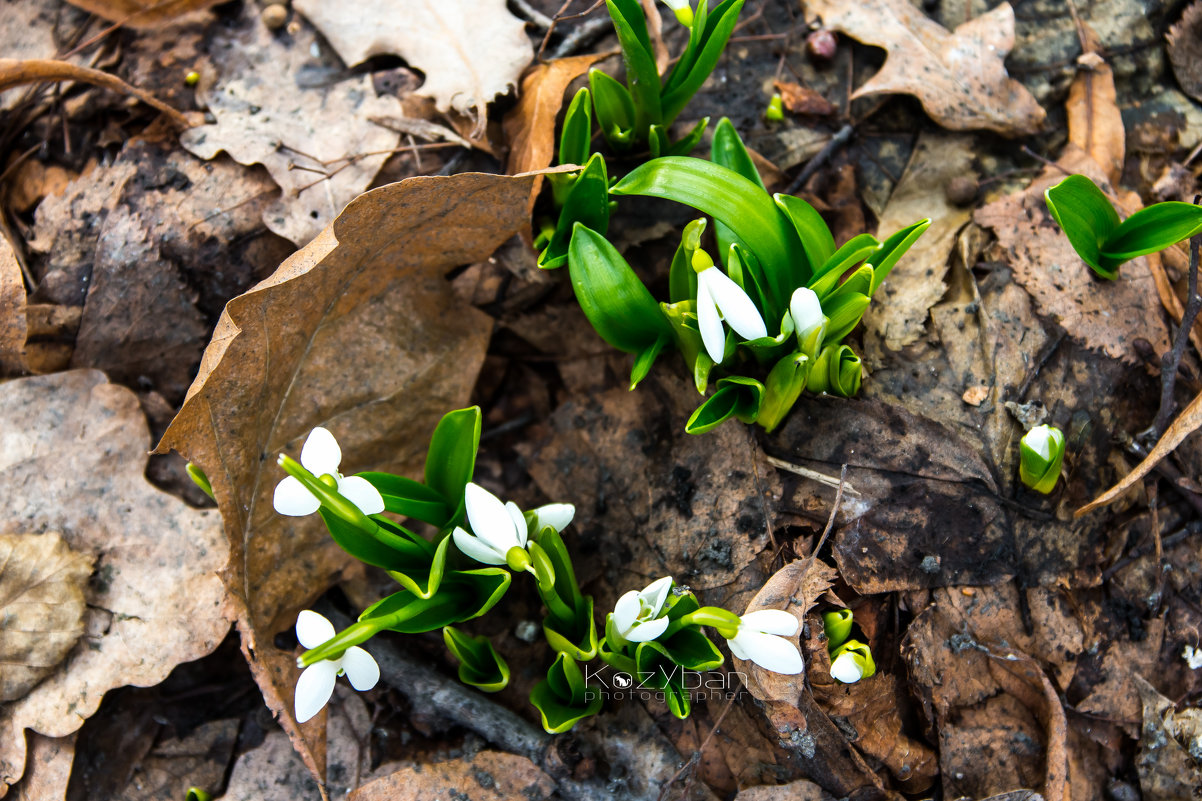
(555, 515)
(708, 321)
(655, 593)
(806, 311)
(314, 689)
(645, 632)
(770, 652)
(359, 491)
(292, 499)
(519, 522)
(1039, 439)
(476, 548)
(675, 4)
(735, 306)
(361, 668)
(313, 629)
(626, 611)
(845, 669)
(769, 621)
(489, 519)
(321, 454)
(736, 649)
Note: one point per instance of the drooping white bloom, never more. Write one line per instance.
(761, 639)
(1192, 657)
(316, 683)
(846, 668)
(718, 299)
(321, 456)
(498, 527)
(682, 10)
(555, 515)
(636, 614)
(806, 312)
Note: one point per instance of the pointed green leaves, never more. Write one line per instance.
(736, 396)
(587, 203)
(479, 663)
(562, 698)
(613, 298)
(1093, 228)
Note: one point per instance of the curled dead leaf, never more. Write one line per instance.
(41, 603)
(361, 333)
(142, 13)
(12, 310)
(491, 775)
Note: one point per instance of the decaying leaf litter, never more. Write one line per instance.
(1018, 647)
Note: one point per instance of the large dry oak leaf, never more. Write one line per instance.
(358, 332)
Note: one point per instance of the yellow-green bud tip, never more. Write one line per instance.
(775, 111)
(517, 559)
(684, 16)
(701, 261)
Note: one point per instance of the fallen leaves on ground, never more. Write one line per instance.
(470, 50)
(141, 13)
(139, 237)
(358, 332)
(72, 460)
(901, 307)
(42, 605)
(20, 73)
(1185, 50)
(13, 325)
(958, 76)
(1167, 771)
(1106, 315)
(281, 103)
(486, 776)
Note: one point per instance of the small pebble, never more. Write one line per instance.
(961, 190)
(274, 16)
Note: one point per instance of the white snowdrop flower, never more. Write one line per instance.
(721, 299)
(760, 638)
(321, 456)
(636, 614)
(316, 683)
(806, 313)
(498, 527)
(846, 668)
(555, 515)
(1192, 657)
(682, 10)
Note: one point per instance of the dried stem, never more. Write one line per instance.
(1171, 360)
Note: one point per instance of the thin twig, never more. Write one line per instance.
(813, 165)
(1169, 362)
(696, 755)
(830, 522)
(1179, 536)
(535, 17)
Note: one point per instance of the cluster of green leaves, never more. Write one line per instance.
(770, 245)
(1105, 242)
(633, 117)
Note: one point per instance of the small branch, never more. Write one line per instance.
(822, 157)
(1171, 360)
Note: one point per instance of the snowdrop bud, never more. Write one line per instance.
(1041, 457)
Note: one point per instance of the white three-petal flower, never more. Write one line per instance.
(316, 683)
(846, 669)
(497, 526)
(719, 298)
(321, 456)
(636, 614)
(761, 639)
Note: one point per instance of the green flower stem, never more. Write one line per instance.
(555, 605)
(724, 622)
(363, 630)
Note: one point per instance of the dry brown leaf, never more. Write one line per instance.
(1109, 315)
(19, 73)
(41, 603)
(794, 588)
(901, 306)
(1185, 50)
(487, 776)
(1186, 423)
(958, 76)
(359, 332)
(199, 759)
(1094, 122)
(530, 127)
(470, 50)
(72, 460)
(12, 310)
(142, 13)
(1167, 772)
(48, 768)
(800, 790)
(36, 29)
(802, 100)
(279, 106)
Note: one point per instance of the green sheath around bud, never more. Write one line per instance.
(837, 626)
(1041, 457)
